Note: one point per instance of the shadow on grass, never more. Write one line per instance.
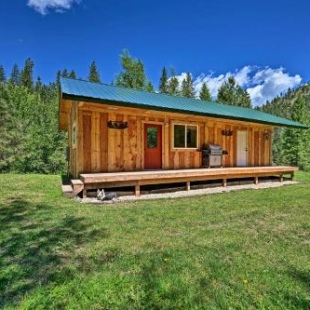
(36, 248)
(300, 302)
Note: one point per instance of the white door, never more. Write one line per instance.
(242, 148)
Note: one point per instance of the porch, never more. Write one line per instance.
(136, 179)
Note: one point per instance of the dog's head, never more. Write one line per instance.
(100, 194)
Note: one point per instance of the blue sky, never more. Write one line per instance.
(264, 44)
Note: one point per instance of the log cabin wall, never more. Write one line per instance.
(73, 138)
(102, 149)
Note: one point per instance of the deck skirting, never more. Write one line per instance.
(139, 178)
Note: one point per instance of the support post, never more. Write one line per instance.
(137, 190)
(281, 178)
(292, 176)
(256, 180)
(224, 182)
(188, 186)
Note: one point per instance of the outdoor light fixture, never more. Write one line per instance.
(227, 132)
(266, 135)
(117, 124)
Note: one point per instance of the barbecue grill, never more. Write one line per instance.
(212, 155)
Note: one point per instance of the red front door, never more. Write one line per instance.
(152, 146)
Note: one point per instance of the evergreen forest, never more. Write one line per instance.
(30, 141)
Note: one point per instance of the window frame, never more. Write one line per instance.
(186, 125)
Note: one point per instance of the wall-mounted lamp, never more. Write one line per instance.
(227, 132)
(117, 124)
(266, 135)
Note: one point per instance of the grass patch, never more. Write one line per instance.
(241, 250)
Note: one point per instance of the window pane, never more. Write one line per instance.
(191, 136)
(152, 138)
(179, 136)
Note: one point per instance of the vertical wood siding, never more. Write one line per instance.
(103, 149)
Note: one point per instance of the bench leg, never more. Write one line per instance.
(292, 176)
(256, 180)
(224, 182)
(188, 186)
(281, 178)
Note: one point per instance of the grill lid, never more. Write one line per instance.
(213, 147)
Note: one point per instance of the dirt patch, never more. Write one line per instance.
(193, 192)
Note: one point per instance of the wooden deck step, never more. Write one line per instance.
(72, 190)
(67, 190)
(77, 186)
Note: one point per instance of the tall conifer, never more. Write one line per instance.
(93, 75)
(15, 75)
(204, 93)
(2, 74)
(133, 74)
(26, 77)
(163, 82)
(187, 89)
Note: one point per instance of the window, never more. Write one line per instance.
(185, 136)
(152, 137)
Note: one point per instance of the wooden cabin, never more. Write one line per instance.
(117, 131)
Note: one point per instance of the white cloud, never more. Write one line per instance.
(261, 83)
(42, 6)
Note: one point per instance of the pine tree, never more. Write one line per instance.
(2, 75)
(227, 91)
(133, 75)
(93, 75)
(163, 82)
(26, 77)
(15, 75)
(231, 93)
(58, 76)
(173, 84)
(72, 74)
(149, 87)
(205, 92)
(187, 88)
(243, 98)
(65, 73)
(38, 86)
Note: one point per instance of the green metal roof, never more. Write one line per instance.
(96, 92)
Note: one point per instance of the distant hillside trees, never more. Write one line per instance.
(291, 146)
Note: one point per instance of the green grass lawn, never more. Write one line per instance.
(241, 250)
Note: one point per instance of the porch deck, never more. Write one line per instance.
(139, 178)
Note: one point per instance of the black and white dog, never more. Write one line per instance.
(101, 195)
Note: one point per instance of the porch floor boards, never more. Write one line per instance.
(138, 178)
